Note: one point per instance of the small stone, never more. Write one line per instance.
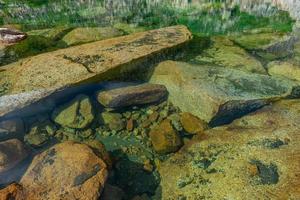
(253, 170)
(130, 125)
(154, 116)
(36, 140)
(165, 139)
(86, 133)
(148, 166)
(12, 152)
(132, 95)
(192, 124)
(76, 114)
(113, 120)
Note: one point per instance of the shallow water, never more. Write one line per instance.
(138, 100)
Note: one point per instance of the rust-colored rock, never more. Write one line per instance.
(66, 171)
(99, 150)
(192, 124)
(12, 192)
(164, 138)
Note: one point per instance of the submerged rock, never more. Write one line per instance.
(219, 95)
(12, 152)
(53, 34)
(285, 69)
(132, 95)
(65, 171)
(11, 128)
(225, 53)
(113, 120)
(90, 34)
(240, 161)
(91, 62)
(164, 138)
(76, 114)
(269, 46)
(8, 35)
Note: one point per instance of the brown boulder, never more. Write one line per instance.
(66, 171)
(165, 139)
(192, 124)
(12, 152)
(132, 95)
(12, 192)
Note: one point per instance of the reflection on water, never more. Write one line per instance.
(95, 104)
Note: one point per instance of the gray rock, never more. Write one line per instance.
(76, 114)
(218, 95)
(12, 152)
(8, 35)
(132, 95)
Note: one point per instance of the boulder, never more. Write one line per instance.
(132, 95)
(11, 128)
(12, 152)
(65, 171)
(164, 138)
(53, 34)
(90, 34)
(76, 114)
(129, 28)
(269, 46)
(240, 161)
(192, 124)
(286, 69)
(218, 95)
(13, 191)
(225, 53)
(9, 36)
(46, 73)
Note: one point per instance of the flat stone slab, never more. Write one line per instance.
(219, 95)
(240, 161)
(132, 95)
(87, 63)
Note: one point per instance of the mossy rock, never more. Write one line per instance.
(52, 33)
(129, 28)
(90, 34)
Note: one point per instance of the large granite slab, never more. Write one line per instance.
(219, 95)
(87, 63)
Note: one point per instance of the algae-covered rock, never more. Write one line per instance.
(90, 34)
(65, 171)
(93, 62)
(165, 139)
(269, 46)
(129, 28)
(287, 69)
(225, 53)
(219, 95)
(76, 114)
(51, 33)
(132, 95)
(113, 120)
(254, 158)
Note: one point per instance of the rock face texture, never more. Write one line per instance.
(218, 95)
(75, 114)
(13, 191)
(12, 152)
(90, 34)
(285, 69)
(65, 171)
(89, 63)
(225, 53)
(132, 95)
(256, 157)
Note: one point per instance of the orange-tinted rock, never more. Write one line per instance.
(12, 192)
(99, 150)
(65, 171)
(165, 139)
(192, 124)
(130, 125)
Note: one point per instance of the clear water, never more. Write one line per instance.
(235, 44)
